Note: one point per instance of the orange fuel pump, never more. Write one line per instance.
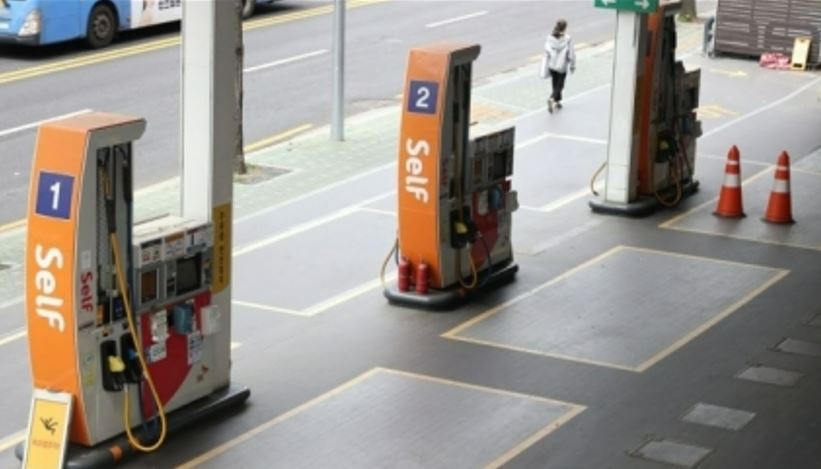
(455, 194)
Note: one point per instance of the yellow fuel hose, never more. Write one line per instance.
(473, 272)
(132, 327)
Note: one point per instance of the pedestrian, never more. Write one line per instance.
(559, 58)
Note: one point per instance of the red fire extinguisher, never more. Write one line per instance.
(403, 280)
(422, 275)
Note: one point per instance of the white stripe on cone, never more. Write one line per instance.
(732, 180)
(781, 186)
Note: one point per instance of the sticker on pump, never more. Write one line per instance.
(54, 193)
(423, 97)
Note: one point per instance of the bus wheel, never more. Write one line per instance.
(248, 8)
(101, 26)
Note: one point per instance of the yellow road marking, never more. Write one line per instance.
(276, 138)
(669, 223)
(105, 56)
(645, 365)
(573, 411)
(207, 456)
(715, 320)
(456, 330)
(559, 356)
(714, 111)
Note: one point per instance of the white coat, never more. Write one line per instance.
(559, 55)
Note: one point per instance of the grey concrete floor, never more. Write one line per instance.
(350, 381)
(722, 305)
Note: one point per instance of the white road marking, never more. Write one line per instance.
(457, 19)
(315, 192)
(310, 225)
(569, 199)
(289, 60)
(764, 108)
(34, 125)
(10, 303)
(12, 337)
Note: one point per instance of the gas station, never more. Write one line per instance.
(513, 322)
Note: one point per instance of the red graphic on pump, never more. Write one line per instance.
(170, 373)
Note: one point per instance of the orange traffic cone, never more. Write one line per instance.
(779, 210)
(729, 201)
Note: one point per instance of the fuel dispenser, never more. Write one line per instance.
(455, 201)
(661, 142)
(132, 321)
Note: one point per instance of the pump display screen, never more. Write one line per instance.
(188, 275)
(499, 165)
(148, 286)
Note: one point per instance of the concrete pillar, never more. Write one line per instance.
(621, 184)
(209, 124)
(211, 42)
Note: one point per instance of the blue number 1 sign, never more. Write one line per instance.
(54, 195)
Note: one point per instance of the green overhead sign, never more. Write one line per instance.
(639, 6)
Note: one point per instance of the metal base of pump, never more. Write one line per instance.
(503, 273)
(644, 206)
(114, 451)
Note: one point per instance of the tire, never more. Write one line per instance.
(248, 8)
(102, 26)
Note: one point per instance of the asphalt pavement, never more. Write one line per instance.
(288, 72)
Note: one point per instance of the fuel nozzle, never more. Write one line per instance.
(463, 229)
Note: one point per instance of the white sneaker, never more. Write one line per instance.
(550, 104)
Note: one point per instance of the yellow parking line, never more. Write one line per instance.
(105, 56)
(572, 411)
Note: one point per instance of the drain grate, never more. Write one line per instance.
(259, 173)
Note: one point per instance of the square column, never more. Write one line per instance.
(621, 184)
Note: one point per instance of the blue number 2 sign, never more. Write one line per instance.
(54, 195)
(423, 97)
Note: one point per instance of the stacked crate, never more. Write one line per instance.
(753, 27)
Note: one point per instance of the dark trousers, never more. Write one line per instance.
(558, 85)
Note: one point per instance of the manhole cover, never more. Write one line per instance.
(258, 173)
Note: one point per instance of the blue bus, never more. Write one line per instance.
(38, 22)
